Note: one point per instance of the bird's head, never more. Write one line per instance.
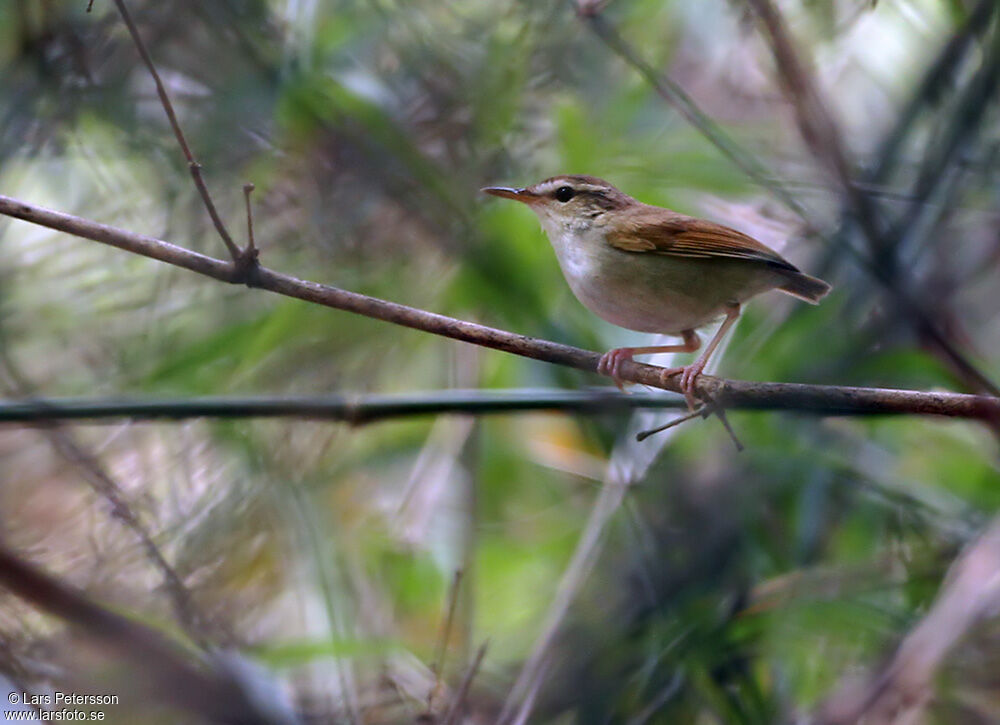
(568, 202)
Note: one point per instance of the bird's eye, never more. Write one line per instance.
(564, 193)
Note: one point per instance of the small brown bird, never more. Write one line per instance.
(651, 269)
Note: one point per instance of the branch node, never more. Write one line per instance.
(246, 268)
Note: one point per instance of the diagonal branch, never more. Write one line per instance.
(193, 165)
(689, 110)
(970, 594)
(168, 673)
(938, 76)
(815, 122)
(830, 400)
(101, 482)
(823, 138)
(964, 127)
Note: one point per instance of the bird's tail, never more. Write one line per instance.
(807, 288)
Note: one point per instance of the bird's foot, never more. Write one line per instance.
(611, 362)
(689, 378)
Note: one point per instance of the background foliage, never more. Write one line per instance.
(733, 587)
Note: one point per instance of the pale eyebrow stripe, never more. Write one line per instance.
(575, 185)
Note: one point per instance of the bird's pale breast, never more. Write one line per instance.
(651, 292)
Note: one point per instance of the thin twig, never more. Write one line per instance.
(828, 400)
(99, 479)
(193, 165)
(251, 244)
(353, 409)
(455, 711)
(724, 419)
(702, 412)
(443, 639)
(97, 476)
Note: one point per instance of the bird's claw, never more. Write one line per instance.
(689, 378)
(611, 362)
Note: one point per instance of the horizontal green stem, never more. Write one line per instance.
(360, 409)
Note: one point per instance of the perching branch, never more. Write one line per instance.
(827, 400)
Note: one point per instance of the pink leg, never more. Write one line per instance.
(690, 374)
(611, 361)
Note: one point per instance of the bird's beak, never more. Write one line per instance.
(522, 195)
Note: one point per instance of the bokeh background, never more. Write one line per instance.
(321, 558)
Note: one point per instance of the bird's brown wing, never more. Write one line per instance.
(683, 236)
